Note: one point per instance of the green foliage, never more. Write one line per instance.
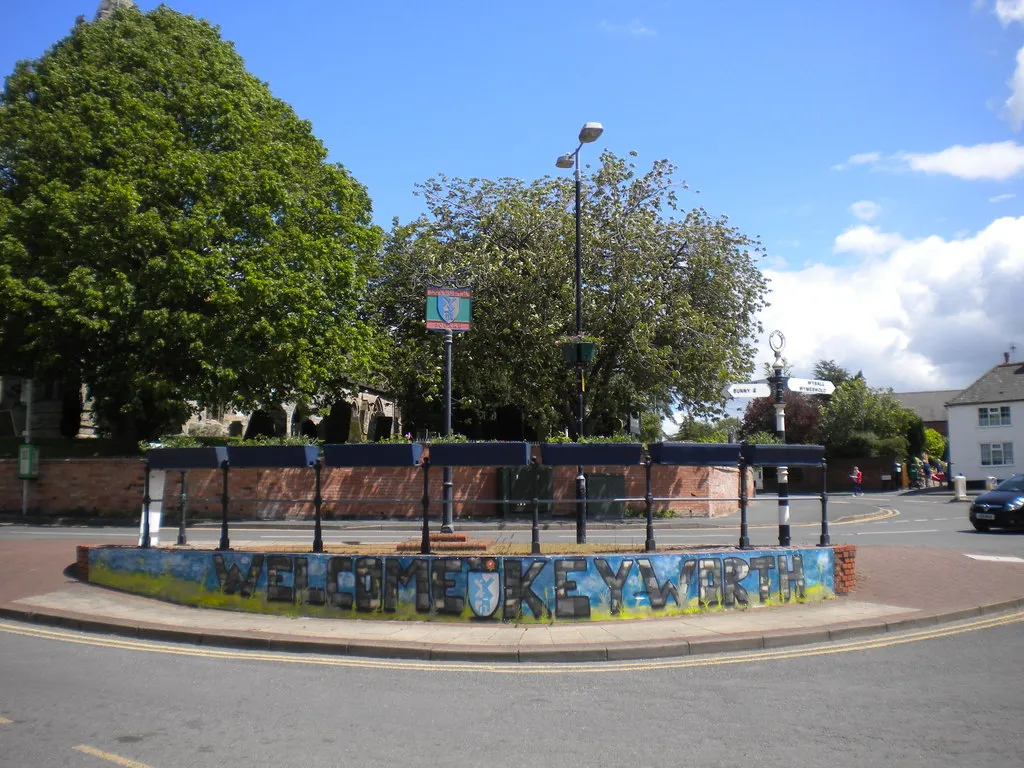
(934, 443)
(915, 437)
(170, 232)
(673, 297)
(830, 370)
(858, 420)
(195, 441)
(762, 438)
(695, 431)
(803, 417)
(452, 438)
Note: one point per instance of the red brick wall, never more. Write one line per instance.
(115, 487)
(846, 568)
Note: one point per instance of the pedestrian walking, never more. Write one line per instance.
(857, 476)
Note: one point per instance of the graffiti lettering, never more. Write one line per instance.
(791, 579)
(614, 582)
(566, 605)
(279, 571)
(230, 579)
(395, 575)
(337, 569)
(519, 587)
(657, 593)
(763, 566)
(444, 600)
(736, 570)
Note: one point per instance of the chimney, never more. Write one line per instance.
(1006, 357)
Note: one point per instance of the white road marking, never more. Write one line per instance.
(997, 558)
(883, 533)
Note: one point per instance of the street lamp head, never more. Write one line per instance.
(590, 131)
(565, 161)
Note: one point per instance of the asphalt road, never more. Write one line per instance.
(946, 696)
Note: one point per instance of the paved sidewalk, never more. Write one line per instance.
(898, 588)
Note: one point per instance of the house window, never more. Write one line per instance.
(994, 417)
(996, 454)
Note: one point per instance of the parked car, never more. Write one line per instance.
(1002, 507)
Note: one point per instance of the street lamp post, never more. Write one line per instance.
(588, 133)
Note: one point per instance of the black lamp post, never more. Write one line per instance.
(588, 133)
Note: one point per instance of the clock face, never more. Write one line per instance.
(777, 341)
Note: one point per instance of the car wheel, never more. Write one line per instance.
(980, 527)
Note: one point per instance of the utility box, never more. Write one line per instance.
(28, 462)
(602, 492)
(518, 485)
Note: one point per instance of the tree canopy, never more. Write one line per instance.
(862, 421)
(672, 296)
(170, 231)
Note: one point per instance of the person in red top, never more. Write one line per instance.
(857, 476)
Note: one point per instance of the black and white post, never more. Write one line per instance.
(778, 342)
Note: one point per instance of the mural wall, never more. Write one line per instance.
(432, 587)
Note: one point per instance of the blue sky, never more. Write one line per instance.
(829, 129)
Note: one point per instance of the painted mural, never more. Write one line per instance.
(433, 587)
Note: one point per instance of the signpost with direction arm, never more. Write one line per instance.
(811, 386)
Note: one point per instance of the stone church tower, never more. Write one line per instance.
(107, 8)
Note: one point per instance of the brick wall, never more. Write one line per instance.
(845, 568)
(115, 487)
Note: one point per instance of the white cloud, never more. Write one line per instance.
(1002, 198)
(929, 314)
(1010, 11)
(998, 161)
(1015, 104)
(864, 158)
(866, 240)
(865, 210)
(634, 29)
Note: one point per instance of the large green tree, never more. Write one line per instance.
(863, 421)
(672, 295)
(170, 231)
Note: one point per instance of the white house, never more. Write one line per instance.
(986, 424)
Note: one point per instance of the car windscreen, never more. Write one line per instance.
(1013, 484)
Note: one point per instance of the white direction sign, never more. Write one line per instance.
(748, 389)
(811, 386)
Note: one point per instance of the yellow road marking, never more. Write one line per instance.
(514, 668)
(112, 758)
(5, 721)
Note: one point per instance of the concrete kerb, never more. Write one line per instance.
(568, 653)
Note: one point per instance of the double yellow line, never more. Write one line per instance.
(513, 668)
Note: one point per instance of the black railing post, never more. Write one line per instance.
(650, 545)
(145, 509)
(225, 542)
(744, 532)
(318, 499)
(425, 539)
(826, 540)
(182, 507)
(535, 527)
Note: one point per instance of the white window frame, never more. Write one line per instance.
(997, 416)
(1004, 451)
